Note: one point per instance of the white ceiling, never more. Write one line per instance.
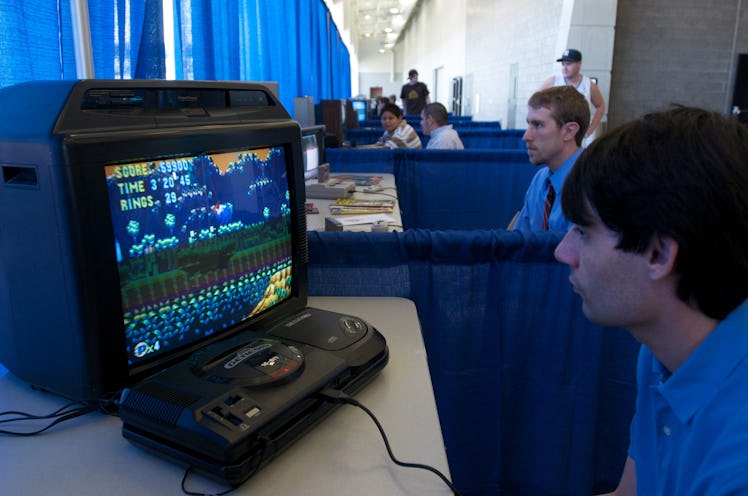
(380, 21)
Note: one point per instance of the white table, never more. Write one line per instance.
(343, 455)
(316, 222)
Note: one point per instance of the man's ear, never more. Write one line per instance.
(661, 255)
(570, 130)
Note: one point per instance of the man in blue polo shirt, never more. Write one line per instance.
(557, 119)
(659, 245)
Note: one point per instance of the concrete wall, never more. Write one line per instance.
(435, 45)
(503, 49)
(511, 46)
(525, 40)
(646, 54)
(676, 51)
(377, 69)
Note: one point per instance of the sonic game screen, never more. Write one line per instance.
(202, 243)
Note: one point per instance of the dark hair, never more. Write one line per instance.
(682, 174)
(393, 109)
(437, 111)
(566, 105)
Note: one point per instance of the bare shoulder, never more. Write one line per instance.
(547, 83)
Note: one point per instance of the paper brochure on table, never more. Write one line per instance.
(358, 206)
(353, 220)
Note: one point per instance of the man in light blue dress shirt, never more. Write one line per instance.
(557, 119)
(659, 246)
(434, 125)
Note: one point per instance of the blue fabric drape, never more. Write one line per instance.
(116, 36)
(340, 64)
(533, 399)
(324, 22)
(461, 189)
(36, 41)
(472, 135)
(447, 189)
(289, 41)
(292, 42)
(152, 56)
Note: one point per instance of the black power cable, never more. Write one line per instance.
(193, 493)
(335, 396)
(66, 412)
(73, 410)
(266, 445)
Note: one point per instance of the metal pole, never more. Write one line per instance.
(84, 66)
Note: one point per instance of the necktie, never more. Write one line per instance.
(549, 199)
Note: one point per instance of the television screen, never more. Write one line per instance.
(159, 217)
(311, 155)
(202, 242)
(359, 106)
(313, 147)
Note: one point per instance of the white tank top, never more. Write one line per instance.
(583, 87)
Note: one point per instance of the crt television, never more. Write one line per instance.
(361, 108)
(141, 221)
(313, 148)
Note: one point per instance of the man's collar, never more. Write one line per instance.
(568, 161)
(695, 382)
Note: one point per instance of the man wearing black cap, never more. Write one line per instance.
(415, 95)
(571, 65)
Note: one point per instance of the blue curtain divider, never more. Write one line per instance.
(36, 41)
(471, 136)
(461, 189)
(459, 118)
(463, 120)
(293, 43)
(447, 189)
(533, 399)
(375, 160)
(415, 119)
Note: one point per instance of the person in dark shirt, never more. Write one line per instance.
(381, 102)
(414, 94)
